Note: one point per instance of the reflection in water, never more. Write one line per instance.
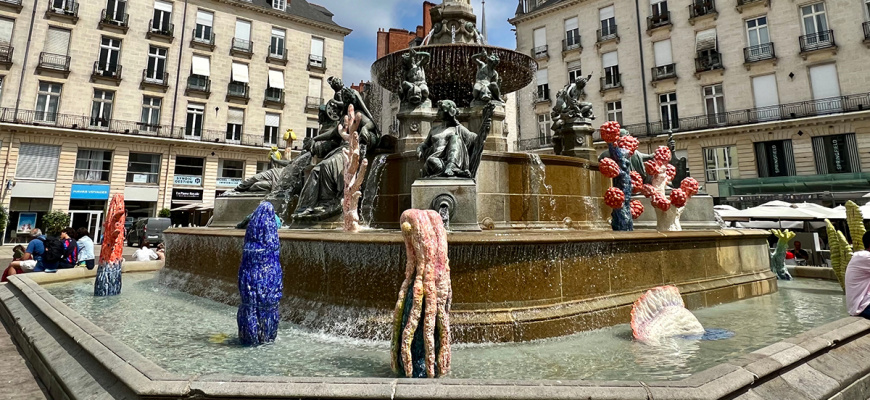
(156, 322)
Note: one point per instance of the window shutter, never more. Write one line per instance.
(764, 91)
(57, 41)
(662, 51)
(609, 59)
(315, 87)
(162, 6)
(852, 148)
(200, 66)
(236, 116)
(276, 79)
(571, 24)
(542, 77)
(540, 36)
(824, 81)
(705, 40)
(204, 18)
(819, 152)
(606, 13)
(789, 158)
(243, 30)
(37, 161)
(761, 160)
(278, 32)
(6, 30)
(573, 65)
(273, 119)
(240, 72)
(317, 47)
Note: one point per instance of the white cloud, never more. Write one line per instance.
(356, 70)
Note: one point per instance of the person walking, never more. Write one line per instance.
(858, 281)
(70, 249)
(86, 248)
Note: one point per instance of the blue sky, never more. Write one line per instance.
(366, 16)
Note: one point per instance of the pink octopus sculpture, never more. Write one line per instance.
(422, 350)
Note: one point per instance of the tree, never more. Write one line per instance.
(55, 221)
(164, 213)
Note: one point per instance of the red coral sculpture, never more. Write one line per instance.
(636, 182)
(614, 198)
(668, 208)
(609, 168)
(636, 209)
(610, 131)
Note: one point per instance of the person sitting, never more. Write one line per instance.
(801, 256)
(161, 251)
(86, 248)
(145, 253)
(858, 281)
(70, 249)
(17, 255)
(32, 259)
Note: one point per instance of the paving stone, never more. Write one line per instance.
(814, 383)
(859, 390)
(779, 389)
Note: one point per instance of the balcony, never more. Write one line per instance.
(277, 56)
(654, 22)
(764, 51)
(313, 103)
(708, 60)
(606, 35)
(611, 82)
(538, 143)
(198, 85)
(316, 63)
(154, 80)
(165, 32)
(817, 41)
(743, 4)
(274, 97)
(67, 12)
(53, 63)
(106, 73)
(238, 91)
(12, 5)
(702, 8)
(114, 22)
(541, 53)
(242, 48)
(664, 72)
(571, 44)
(543, 96)
(205, 42)
(6, 55)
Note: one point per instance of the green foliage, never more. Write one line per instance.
(54, 221)
(4, 219)
(164, 213)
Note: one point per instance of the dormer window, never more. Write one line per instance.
(279, 4)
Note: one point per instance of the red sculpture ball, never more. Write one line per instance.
(614, 198)
(636, 182)
(651, 167)
(679, 198)
(690, 186)
(608, 167)
(671, 171)
(661, 202)
(636, 209)
(610, 131)
(663, 155)
(629, 143)
(648, 190)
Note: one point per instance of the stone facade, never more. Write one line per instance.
(733, 110)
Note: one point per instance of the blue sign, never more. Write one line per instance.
(89, 192)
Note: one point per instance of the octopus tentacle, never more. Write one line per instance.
(410, 267)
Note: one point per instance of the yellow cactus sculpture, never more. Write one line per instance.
(856, 225)
(841, 252)
(274, 153)
(289, 135)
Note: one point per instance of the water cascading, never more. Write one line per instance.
(371, 189)
(108, 282)
(261, 280)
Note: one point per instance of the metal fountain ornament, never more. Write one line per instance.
(108, 282)
(261, 280)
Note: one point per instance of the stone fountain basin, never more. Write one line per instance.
(76, 359)
(508, 286)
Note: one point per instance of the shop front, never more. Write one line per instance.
(184, 207)
(87, 205)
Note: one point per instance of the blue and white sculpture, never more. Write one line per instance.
(260, 279)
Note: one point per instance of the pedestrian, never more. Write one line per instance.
(145, 253)
(86, 248)
(70, 249)
(858, 281)
(801, 256)
(161, 252)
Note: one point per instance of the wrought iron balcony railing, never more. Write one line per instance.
(764, 51)
(66, 8)
(607, 34)
(54, 61)
(315, 61)
(817, 41)
(664, 72)
(122, 21)
(199, 83)
(866, 26)
(540, 52)
(277, 54)
(708, 61)
(155, 78)
(207, 40)
(313, 102)
(167, 30)
(611, 82)
(274, 95)
(571, 43)
(6, 54)
(238, 89)
(244, 46)
(540, 142)
(700, 8)
(658, 20)
(108, 71)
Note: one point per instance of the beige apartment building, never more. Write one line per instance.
(767, 99)
(168, 102)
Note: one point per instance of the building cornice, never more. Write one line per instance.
(544, 11)
(284, 15)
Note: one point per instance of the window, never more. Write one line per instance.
(720, 163)
(544, 123)
(193, 125)
(315, 89)
(6, 28)
(826, 88)
(232, 169)
(608, 23)
(277, 46)
(664, 60)
(311, 132)
(239, 80)
(57, 42)
(262, 166)
(574, 71)
(110, 53)
(836, 154)
(659, 10)
(759, 40)
(242, 39)
(235, 122)
(707, 50)
(540, 41)
(189, 167)
(714, 103)
(270, 135)
(867, 10)
(151, 113)
(143, 168)
(614, 111)
(315, 59)
(775, 158)
(815, 20)
(115, 10)
(156, 65)
(203, 32)
(161, 23)
(93, 165)
(610, 61)
(279, 4)
(766, 97)
(543, 85)
(200, 70)
(572, 33)
(668, 106)
(47, 101)
(101, 109)
(275, 90)
(37, 161)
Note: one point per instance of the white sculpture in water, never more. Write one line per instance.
(660, 313)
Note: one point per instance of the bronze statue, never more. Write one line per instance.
(568, 104)
(487, 85)
(451, 150)
(415, 92)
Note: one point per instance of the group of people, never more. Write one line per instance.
(48, 254)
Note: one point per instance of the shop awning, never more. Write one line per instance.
(205, 207)
(187, 207)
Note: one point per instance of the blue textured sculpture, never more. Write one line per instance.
(108, 282)
(261, 280)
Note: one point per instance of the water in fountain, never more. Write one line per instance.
(538, 181)
(371, 190)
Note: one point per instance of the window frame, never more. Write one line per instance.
(83, 173)
(48, 95)
(729, 170)
(191, 166)
(545, 122)
(152, 109)
(194, 110)
(132, 172)
(672, 121)
(102, 117)
(616, 111)
(717, 117)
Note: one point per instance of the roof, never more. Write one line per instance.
(304, 9)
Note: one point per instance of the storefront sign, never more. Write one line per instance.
(89, 192)
(26, 222)
(188, 180)
(186, 195)
(228, 182)
(140, 178)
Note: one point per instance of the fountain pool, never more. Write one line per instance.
(156, 321)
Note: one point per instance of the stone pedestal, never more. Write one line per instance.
(472, 118)
(229, 211)
(414, 126)
(574, 139)
(458, 195)
(698, 214)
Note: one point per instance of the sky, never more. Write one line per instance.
(365, 17)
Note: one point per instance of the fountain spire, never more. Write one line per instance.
(483, 21)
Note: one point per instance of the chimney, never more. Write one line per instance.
(427, 17)
(382, 43)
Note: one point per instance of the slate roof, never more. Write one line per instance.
(304, 9)
(536, 8)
